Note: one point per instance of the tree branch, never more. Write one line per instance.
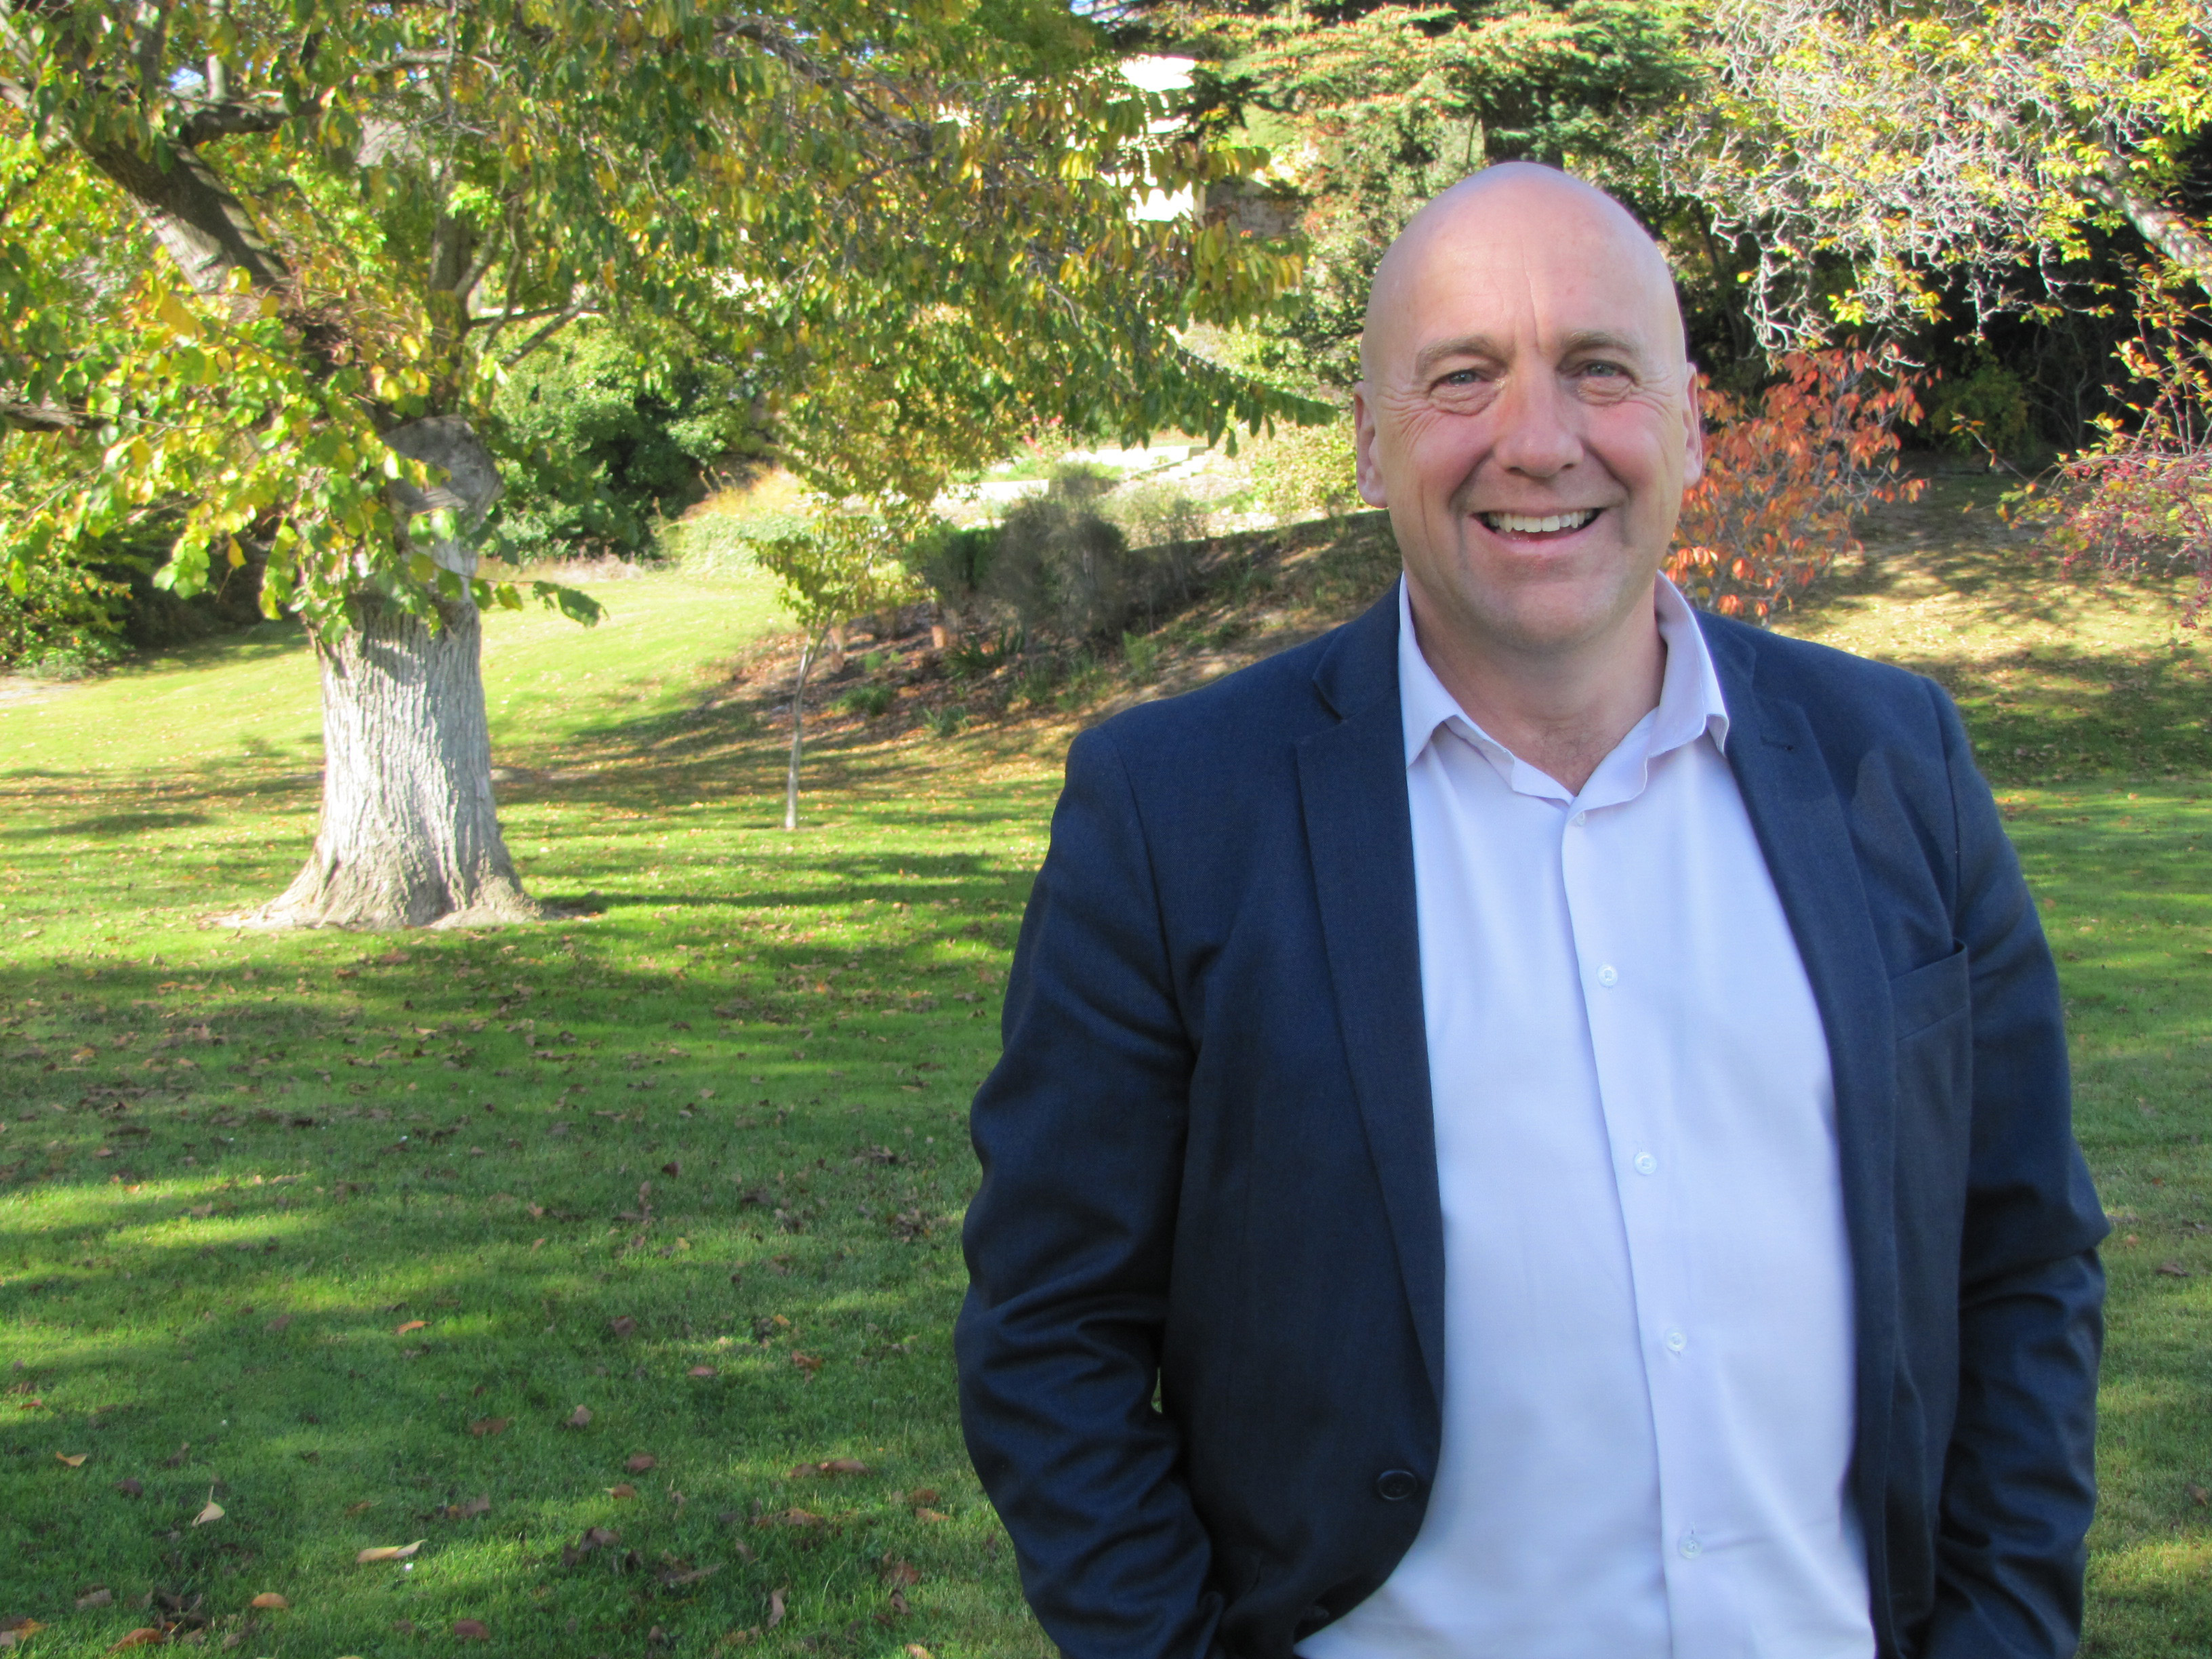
(2168, 232)
(40, 417)
(229, 120)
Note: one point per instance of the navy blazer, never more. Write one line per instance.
(1201, 1353)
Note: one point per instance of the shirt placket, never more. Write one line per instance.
(1616, 961)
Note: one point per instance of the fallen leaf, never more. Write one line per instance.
(599, 1538)
(468, 1509)
(2173, 1270)
(842, 1466)
(2198, 1495)
(931, 1515)
(485, 1426)
(623, 1325)
(365, 1504)
(622, 1489)
(922, 1495)
(212, 1512)
(915, 1650)
(472, 1629)
(806, 1362)
(702, 1371)
(900, 1572)
(792, 1517)
(278, 1324)
(672, 1168)
(269, 1598)
(775, 1609)
(581, 1417)
(75, 1460)
(99, 1596)
(144, 1635)
(641, 1463)
(411, 1325)
(129, 1488)
(387, 1553)
(899, 1607)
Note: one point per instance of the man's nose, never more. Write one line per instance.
(1537, 434)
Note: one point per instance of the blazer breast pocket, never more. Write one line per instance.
(1928, 995)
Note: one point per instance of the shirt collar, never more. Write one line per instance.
(1690, 700)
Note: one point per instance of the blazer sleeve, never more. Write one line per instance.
(2019, 1484)
(1080, 1131)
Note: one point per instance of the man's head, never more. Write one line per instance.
(1526, 411)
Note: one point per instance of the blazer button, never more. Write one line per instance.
(1396, 1485)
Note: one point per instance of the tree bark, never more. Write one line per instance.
(807, 655)
(410, 835)
(2164, 229)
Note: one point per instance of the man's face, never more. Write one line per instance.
(1528, 416)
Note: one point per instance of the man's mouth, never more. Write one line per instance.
(1532, 524)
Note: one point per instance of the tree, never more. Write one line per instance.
(1864, 153)
(365, 214)
(1379, 107)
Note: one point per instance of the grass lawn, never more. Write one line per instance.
(614, 1261)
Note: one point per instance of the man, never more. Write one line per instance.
(1535, 1126)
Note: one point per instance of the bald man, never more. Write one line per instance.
(1535, 1126)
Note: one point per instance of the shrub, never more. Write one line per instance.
(1300, 470)
(870, 702)
(1984, 412)
(605, 431)
(1060, 566)
(1784, 478)
(2139, 498)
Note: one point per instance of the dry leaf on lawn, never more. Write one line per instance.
(641, 1463)
(387, 1553)
(129, 1486)
(915, 1650)
(775, 1608)
(278, 1324)
(144, 1635)
(579, 1418)
(931, 1515)
(806, 1362)
(75, 1460)
(896, 1572)
(411, 1325)
(212, 1512)
(99, 1596)
(702, 1371)
(270, 1599)
(470, 1509)
(472, 1629)
(365, 1504)
(623, 1325)
(484, 1427)
(622, 1489)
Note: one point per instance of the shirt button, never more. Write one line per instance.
(1676, 1342)
(1581, 818)
(1646, 1164)
(1691, 1548)
(1606, 977)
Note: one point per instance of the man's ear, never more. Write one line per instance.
(1363, 448)
(1694, 428)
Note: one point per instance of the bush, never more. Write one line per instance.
(1784, 479)
(1300, 470)
(605, 431)
(1060, 566)
(870, 702)
(1985, 412)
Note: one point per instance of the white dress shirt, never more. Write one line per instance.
(1648, 1405)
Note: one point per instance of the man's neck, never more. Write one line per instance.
(1559, 710)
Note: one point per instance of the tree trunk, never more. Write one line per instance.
(410, 837)
(807, 655)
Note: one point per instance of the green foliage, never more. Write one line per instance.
(1060, 566)
(610, 431)
(1385, 108)
(1984, 412)
(870, 699)
(1301, 469)
(914, 225)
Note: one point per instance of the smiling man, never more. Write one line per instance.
(1535, 1126)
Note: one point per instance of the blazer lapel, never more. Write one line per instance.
(1359, 830)
(1798, 815)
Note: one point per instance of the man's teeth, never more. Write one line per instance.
(1523, 523)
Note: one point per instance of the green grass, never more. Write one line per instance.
(207, 1132)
